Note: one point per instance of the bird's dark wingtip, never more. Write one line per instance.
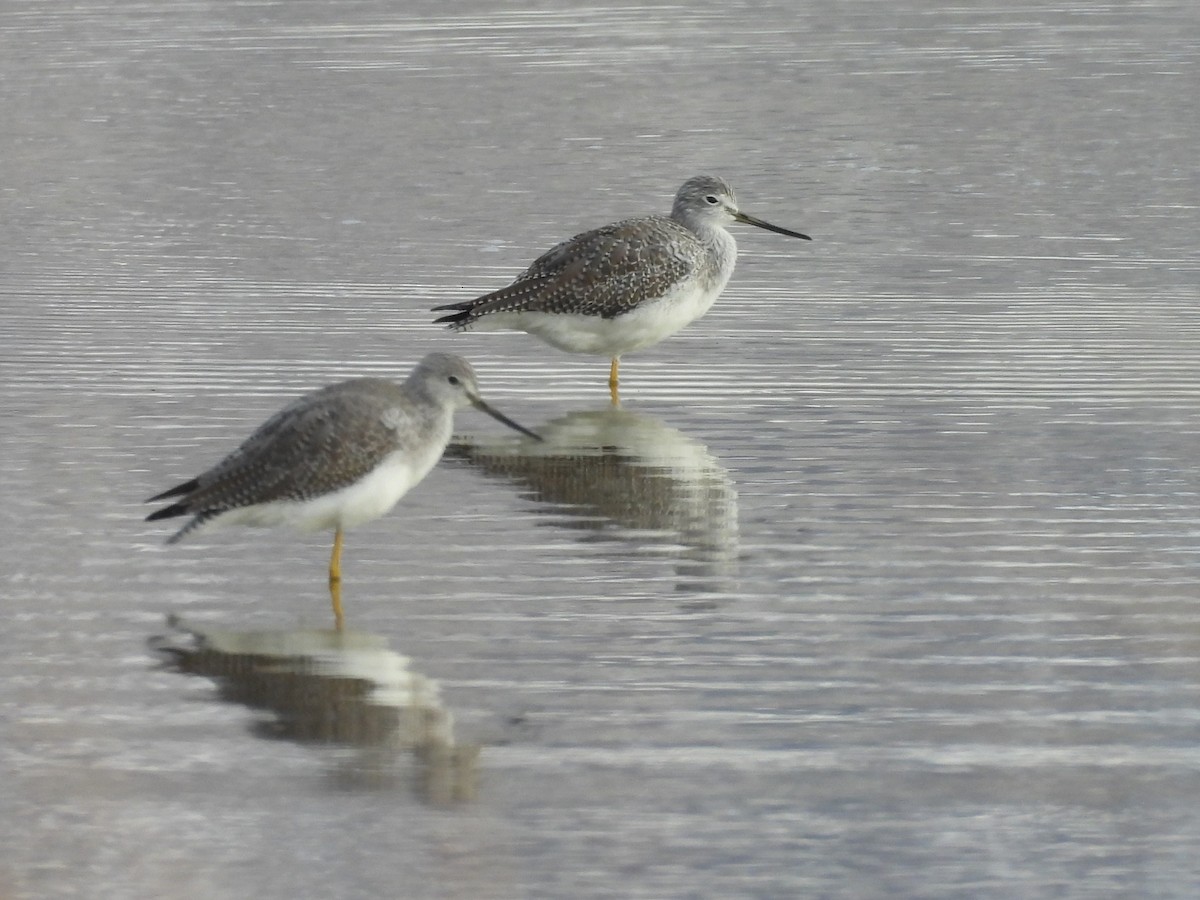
(454, 320)
(178, 491)
(168, 512)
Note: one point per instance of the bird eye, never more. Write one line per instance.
(453, 379)
(712, 200)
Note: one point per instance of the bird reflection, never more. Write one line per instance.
(334, 687)
(626, 476)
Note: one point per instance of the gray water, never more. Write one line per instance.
(881, 583)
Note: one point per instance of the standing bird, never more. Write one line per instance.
(337, 457)
(624, 286)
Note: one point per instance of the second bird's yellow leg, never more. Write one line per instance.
(614, 380)
(335, 580)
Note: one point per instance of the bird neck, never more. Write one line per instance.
(720, 246)
(722, 249)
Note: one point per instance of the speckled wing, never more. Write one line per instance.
(321, 443)
(605, 272)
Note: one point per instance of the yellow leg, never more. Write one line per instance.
(335, 580)
(613, 380)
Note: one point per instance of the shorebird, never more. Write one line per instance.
(338, 457)
(624, 286)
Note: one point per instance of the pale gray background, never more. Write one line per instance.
(931, 628)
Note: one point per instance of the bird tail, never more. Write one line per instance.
(197, 521)
(168, 512)
(178, 491)
(182, 508)
(460, 318)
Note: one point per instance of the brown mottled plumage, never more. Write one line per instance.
(318, 444)
(623, 286)
(335, 458)
(605, 272)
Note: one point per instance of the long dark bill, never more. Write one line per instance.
(480, 405)
(759, 223)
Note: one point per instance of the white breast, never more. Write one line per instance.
(644, 326)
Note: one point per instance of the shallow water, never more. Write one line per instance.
(882, 582)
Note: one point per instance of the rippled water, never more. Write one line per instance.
(882, 582)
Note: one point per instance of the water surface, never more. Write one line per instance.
(882, 582)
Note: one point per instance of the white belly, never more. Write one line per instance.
(642, 327)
